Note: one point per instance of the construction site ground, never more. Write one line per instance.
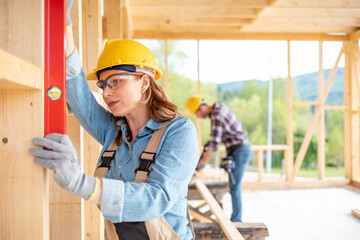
(298, 214)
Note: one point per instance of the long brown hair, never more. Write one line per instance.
(158, 104)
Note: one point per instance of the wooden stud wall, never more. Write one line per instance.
(24, 186)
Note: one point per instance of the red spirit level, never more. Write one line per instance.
(54, 77)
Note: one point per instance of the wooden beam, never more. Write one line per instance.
(317, 4)
(347, 112)
(270, 147)
(289, 156)
(199, 216)
(304, 21)
(226, 225)
(183, 11)
(144, 19)
(335, 107)
(321, 124)
(16, 73)
(113, 14)
(356, 212)
(355, 35)
(311, 12)
(24, 188)
(166, 69)
(305, 144)
(238, 36)
(129, 22)
(91, 34)
(298, 28)
(355, 165)
(260, 164)
(305, 103)
(202, 3)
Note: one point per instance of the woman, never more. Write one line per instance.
(127, 74)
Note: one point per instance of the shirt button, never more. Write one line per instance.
(119, 166)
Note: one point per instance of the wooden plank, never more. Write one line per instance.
(305, 103)
(347, 114)
(311, 12)
(24, 190)
(260, 164)
(355, 165)
(149, 34)
(142, 19)
(91, 34)
(202, 3)
(355, 35)
(66, 208)
(318, 4)
(321, 123)
(356, 212)
(166, 69)
(333, 29)
(250, 231)
(226, 225)
(335, 107)
(289, 157)
(269, 147)
(113, 13)
(16, 73)
(92, 47)
(307, 138)
(199, 216)
(181, 11)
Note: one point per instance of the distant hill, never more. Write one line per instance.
(305, 85)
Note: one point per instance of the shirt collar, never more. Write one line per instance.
(150, 125)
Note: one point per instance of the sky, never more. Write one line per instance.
(234, 60)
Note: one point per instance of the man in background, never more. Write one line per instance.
(227, 129)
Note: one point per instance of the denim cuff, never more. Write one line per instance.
(73, 65)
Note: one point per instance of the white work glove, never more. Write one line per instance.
(62, 159)
(68, 8)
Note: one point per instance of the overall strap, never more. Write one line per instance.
(147, 157)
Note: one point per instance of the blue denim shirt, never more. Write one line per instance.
(165, 192)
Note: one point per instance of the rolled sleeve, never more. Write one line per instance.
(112, 199)
(73, 65)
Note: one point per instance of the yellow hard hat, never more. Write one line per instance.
(193, 103)
(126, 52)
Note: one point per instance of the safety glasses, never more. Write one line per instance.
(117, 80)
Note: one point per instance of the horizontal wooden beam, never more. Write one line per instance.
(305, 103)
(318, 4)
(197, 20)
(16, 73)
(335, 107)
(304, 21)
(183, 11)
(311, 12)
(270, 147)
(203, 3)
(298, 28)
(239, 36)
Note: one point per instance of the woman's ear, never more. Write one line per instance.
(146, 83)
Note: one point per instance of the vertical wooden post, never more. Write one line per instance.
(113, 13)
(92, 47)
(347, 112)
(354, 113)
(24, 185)
(166, 69)
(198, 92)
(260, 164)
(321, 124)
(289, 156)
